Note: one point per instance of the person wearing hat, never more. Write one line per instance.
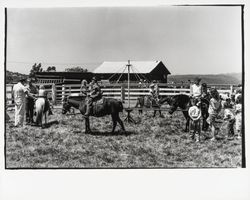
(196, 90)
(19, 92)
(94, 94)
(30, 100)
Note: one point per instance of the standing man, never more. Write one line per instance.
(95, 94)
(196, 90)
(30, 101)
(19, 92)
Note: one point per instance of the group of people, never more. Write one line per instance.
(154, 90)
(231, 107)
(25, 94)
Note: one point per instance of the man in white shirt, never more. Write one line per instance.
(196, 89)
(19, 92)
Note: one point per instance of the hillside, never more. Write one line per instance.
(13, 77)
(232, 78)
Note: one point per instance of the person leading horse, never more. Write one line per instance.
(199, 94)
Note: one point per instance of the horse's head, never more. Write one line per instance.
(173, 105)
(65, 107)
(180, 100)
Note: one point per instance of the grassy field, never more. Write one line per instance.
(151, 143)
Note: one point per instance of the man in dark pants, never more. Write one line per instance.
(30, 101)
(95, 94)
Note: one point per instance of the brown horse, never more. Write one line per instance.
(108, 106)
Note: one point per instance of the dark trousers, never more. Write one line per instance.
(29, 109)
(230, 127)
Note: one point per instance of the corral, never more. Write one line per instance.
(150, 143)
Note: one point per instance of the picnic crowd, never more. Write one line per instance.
(25, 93)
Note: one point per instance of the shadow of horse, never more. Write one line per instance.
(51, 123)
(118, 133)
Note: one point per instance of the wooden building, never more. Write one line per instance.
(149, 70)
(63, 77)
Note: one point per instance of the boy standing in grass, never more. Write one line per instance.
(213, 110)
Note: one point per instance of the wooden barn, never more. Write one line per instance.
(150, 70)
(63, 77)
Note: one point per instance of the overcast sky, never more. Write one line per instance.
(189, 40)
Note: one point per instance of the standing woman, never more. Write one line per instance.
(19, 92)
(214, 110)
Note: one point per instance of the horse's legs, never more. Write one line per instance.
(120, 122)
(45, 115)
(154, 113)
(114, 119)
(87, 125)
(140, 111)
(185, 113)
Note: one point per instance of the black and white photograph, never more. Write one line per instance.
(124, 99)
(124, 87)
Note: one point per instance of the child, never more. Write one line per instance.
(43, 94)
(213, 111)
(195, 113)
(238, 110)
(229, 117)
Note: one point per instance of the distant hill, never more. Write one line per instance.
(231, 78)
(13, 77)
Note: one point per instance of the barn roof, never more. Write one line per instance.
(143, 67)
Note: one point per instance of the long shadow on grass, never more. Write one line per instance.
(118, 133)
(49, 124)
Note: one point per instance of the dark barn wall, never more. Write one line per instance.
(159, 73)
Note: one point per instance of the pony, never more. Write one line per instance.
(183, 102)
(108, 106)
(41, 110)
(148, 102)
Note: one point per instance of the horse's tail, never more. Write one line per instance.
(120, 106)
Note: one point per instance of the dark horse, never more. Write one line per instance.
(109, 106)
(183, 102)
(147, 102)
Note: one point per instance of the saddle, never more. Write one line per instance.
(97, 107)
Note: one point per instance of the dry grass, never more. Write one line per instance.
(151, 143)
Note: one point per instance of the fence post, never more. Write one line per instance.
(53, 91)
(63, 92)
(122, 92)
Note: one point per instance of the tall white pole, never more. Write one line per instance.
(128, 83)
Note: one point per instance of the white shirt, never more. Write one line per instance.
(195, 90)
(238, 108)
(19, 93)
